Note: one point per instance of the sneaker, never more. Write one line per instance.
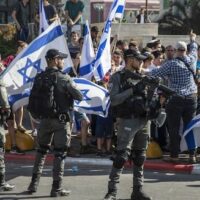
(7, 187)
(192, 159)
(34, 133)
(100, 153)
(16, 150)
(87, 150)
(109, 153)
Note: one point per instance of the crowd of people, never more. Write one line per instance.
(156, 55)
(178, 66)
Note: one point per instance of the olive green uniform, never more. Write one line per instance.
(132, 137)
(4, 113)
(54, 131)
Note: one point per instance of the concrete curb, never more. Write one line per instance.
(149, 164)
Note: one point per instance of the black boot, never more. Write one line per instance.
(3, 185)
(34, 183)
(57, 191)
(111, 195)
(138, 194)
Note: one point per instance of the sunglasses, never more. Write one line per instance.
(181, 50)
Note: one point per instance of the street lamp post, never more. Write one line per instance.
(146, 9)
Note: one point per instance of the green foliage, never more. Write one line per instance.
(181, 18)
(7, 47)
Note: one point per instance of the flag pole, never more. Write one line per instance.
(118, 30)
(117, 37)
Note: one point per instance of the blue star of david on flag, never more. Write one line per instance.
(29, 64)
(85, 97)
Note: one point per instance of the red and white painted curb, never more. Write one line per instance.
(149, 164)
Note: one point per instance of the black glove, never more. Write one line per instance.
(139, 87)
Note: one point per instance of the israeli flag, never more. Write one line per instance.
(43, 20)
(87, 55)
(20, 74)
(190, 139)
(96, 99)
(120, 9)
(103, 57)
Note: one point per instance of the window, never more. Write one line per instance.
(2, 17)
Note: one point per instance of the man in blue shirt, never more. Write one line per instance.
(180, 76)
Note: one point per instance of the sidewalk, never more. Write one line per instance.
(91, 159)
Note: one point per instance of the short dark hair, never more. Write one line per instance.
(119, 42)
(118, 52)
(74, 32)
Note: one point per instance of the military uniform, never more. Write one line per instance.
(132, 140)
(55, 131)
(4, 113)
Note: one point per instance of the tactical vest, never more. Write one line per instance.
(141, 104)
(134, 105)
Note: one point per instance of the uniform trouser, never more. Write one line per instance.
(2, 152)
(132, 136)
(51, 131)
(179, 108)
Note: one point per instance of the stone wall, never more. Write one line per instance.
(143, 33)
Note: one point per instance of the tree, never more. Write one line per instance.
(181, 18)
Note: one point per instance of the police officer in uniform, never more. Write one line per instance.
(133, 130)
(56, 130)
(4, 113)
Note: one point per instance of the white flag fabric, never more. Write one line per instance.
(21, 72)
(120, 10)
(103, 57)
(43, 20)
(190, 139)
(96, 99)
(87, 55)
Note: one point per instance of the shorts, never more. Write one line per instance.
(80, 116)
(104, 127)
(77, 117)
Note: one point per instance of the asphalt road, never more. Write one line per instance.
(90, 183)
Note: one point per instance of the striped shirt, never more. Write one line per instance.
(180, 78)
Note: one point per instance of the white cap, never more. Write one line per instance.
(181, 45)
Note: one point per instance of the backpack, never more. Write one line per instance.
(42, 102)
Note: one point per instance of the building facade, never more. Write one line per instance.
(95, 10)
(6, 7)
(99, 9)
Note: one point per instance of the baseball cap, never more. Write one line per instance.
(53, 53)
(130, 53)
(181, 45)
(152, 43)
(148, 55)
(94, 29)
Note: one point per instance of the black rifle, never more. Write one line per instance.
(153, 83)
